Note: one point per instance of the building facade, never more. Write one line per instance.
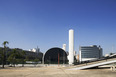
(90, 53)
(29, 54)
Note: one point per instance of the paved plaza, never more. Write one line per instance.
(54, 71)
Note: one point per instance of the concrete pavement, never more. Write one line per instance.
(54, 71)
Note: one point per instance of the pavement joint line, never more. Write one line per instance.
(30, 73)
(65, 72)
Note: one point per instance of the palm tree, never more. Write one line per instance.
(4, 50)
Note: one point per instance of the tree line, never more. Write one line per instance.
(14, 56)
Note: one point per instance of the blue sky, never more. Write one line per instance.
(27, 24)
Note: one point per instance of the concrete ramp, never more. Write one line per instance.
(93, 64)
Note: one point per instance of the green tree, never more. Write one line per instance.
(23, 53)
(12, 58)
(0, 55)
(36, 61)
(27, 58)
(3, 52)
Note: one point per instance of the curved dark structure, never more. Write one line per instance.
(51, 56)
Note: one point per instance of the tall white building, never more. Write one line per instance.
(71, 47)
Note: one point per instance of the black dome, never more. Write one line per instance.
(51, 56)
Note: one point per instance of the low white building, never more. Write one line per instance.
(64, 47)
